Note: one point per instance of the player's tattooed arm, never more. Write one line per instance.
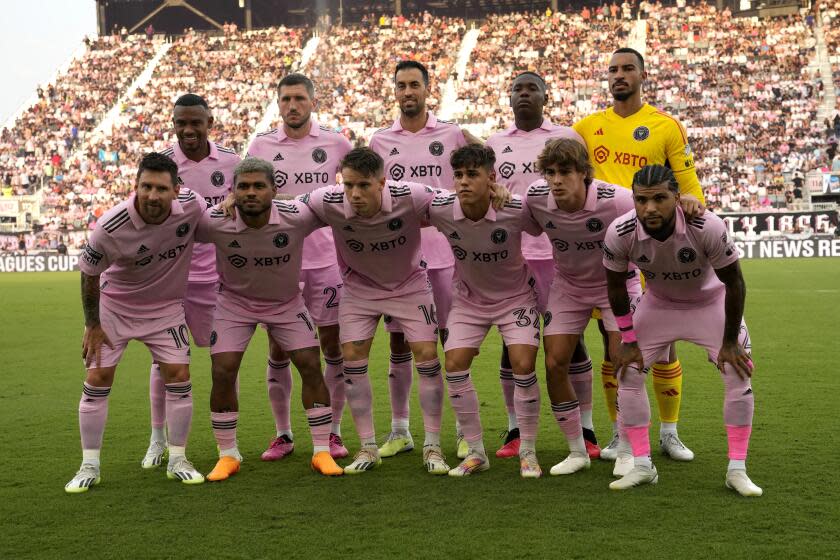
(731, 351)
(627, 353)
(90, 299)
(94, 336)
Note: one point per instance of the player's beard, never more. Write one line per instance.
(253, 211)
(623, 96)
(418, 109)
(300, 124)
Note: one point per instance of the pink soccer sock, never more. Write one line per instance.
(567, 415)
(739, 440)
(359, 396)
(639, 440)
(93, 412)
(430, 389)
(157, 397)
(179, 407)
(580, 375)
(634, 412)
(334, 379)
(279, 380)
(399, 385)
(526, 398)
(320, 420)
(224, 428)
(464, 401)
(506, 379)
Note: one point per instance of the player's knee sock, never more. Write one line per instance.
(526, 398)
(224, 430)
(360, 398)
(635, 413)
(464, 402)
(320, 420)
(580, 375)
(334, 379)
(738, 407)
(610, 384)
(179, 408)
(157, 401)
(279, 380)
(93, 412)
(567, 415)
(430, 390)
(399, 387)
(667, 384)
(508, 387)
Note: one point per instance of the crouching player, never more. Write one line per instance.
(134, 277)
(258, 251)
(493, 286)
(574, 210)
(695, 292)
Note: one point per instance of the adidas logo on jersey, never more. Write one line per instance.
(454, 235)
(507, 150)
(278, 157)
(644, 259)
(142, 249)
(550, 225)
(235, 244)
(599, 132)
(394, 152)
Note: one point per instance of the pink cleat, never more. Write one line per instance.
(279, 448)
(337, 449)
(592, 450)
(511, 446)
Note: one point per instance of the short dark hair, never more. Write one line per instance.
(628, 50)
(473, 155)
(254, 165)
(191, 100)
(652, 175)
(365, 161)
(408, 64)
(529, 73)
(154, 161)
(298, 79)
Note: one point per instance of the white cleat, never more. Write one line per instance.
(610, 452)
(573, 463)
(623, 464)
(739, 481)
(671, 446)
(434, 461)
(472, 463)
(529, 466)
(181, 469)
(87, 476)
(636, 477)
(365, 460)
(154, 455)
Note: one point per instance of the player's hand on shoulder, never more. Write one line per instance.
(691, 206)
(227, 206)
(470, 138)
(734, 354)
(629, 354)
(500, 195)
(92, 343)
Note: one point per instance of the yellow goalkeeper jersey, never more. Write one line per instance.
(618, 147)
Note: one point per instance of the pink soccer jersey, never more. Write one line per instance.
(680, 270)
(379, 256)
(143, 267)
(516, 168)
(578, 237)
(259, 268)
(422, 157)
(489, 266)
(300, 167)
(211, 179)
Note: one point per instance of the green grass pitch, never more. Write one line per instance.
(284, 510)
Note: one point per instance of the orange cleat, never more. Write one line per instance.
(224, 469)
(322, 462)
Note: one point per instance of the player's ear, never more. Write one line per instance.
(210, 122)
(492, 175)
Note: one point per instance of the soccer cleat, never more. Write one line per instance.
(154, 455)
(337, 449)
(573, 463)
(433, 460)
(226, 467)
(511, 445)
(610, 452)
(463, 447)
(366, 459)
(592, 448)
(278, 448)
(738, 480)
(623, 464)
(636, 477)
(472, 463)
(181, 469)
(529, 467)
(87, 476)
(323, 462)
(396, 443)
(671, 446)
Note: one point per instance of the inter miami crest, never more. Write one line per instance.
(319, 155)
(686, 255)
(218, 179)
(395, 224)
(641, 133)
(436, 148)
(182, 230)
(594, 225)
(281, 240)
(213, 338)
(498, 236)
(546, 318)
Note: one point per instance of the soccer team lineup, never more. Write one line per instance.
(537, 231)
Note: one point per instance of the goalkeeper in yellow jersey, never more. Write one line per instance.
(621, 140)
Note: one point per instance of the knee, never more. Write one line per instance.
(398, 344)
(100, 377)
(455, 364)
(275, 352)
(425, 353)
(556, 366)
(308, 363)
(223, 376)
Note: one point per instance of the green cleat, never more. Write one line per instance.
(396, 443)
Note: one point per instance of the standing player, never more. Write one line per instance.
(306, 156)
(416, 148)
(516, 150)
(695, 292)
(259, 258)
(206, 169)
(134, 276)
(574, 210)
(621, 140)
(493, 286)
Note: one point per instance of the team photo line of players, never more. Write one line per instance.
(428, 261)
